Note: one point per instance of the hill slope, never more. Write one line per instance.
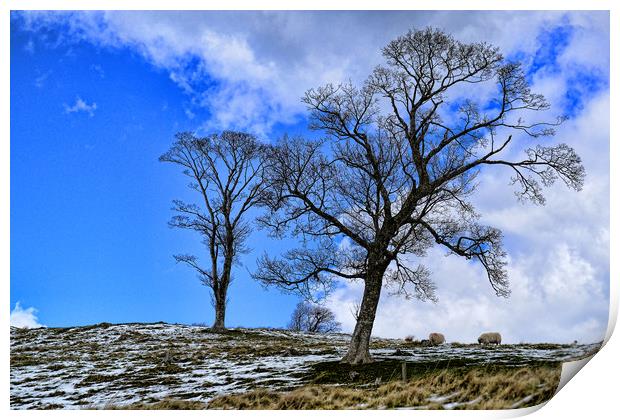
(103, 366)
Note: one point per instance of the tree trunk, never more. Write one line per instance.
(224, 281)
(220, 312)
(358, 352)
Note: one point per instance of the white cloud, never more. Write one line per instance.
(81, 106)
(24, 318)
(40, 80)
(553, 302)
(96, 68)
(29, 47)
(189, 114)
(264, 61)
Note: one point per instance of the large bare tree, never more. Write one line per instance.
(399, 160)
(225, 170)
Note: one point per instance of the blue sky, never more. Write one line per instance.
(96, 98)
(90, 201)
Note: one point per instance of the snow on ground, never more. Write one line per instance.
(111, 365)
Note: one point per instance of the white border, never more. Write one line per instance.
(592, 394)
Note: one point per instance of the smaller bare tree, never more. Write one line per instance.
(225, 169)
(313, 318)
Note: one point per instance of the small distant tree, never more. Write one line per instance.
(313, 318)
(225, 171)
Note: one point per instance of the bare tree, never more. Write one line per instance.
(313, 318)
(225, 171)
(393, 175)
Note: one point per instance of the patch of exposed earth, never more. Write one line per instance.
(115, 365)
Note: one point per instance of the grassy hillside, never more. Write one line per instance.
(177, 366)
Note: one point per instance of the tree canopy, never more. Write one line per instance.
(398, 163)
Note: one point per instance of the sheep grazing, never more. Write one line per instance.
(436, 339)
(490, 338)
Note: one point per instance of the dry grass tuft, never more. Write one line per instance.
(475, 388)
(167, 404)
